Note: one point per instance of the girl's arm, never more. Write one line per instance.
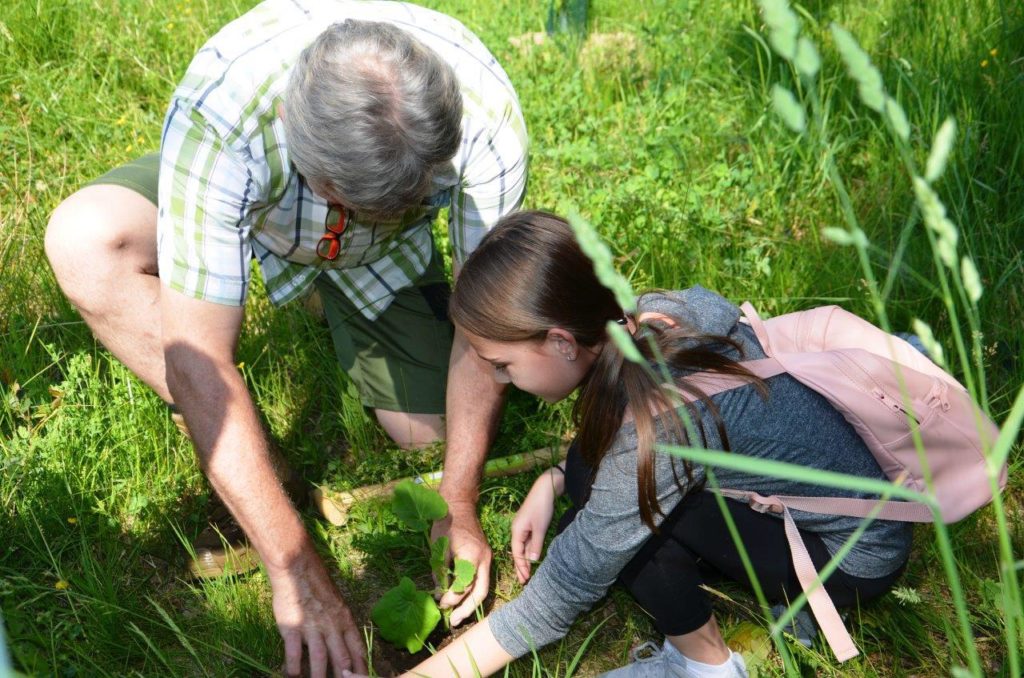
(580, 567)
(475, 653)
(531, 522)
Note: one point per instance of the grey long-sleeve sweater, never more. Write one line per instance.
(793, 424)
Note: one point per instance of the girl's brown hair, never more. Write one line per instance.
(528, 276)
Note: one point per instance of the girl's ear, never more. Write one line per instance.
(564, 342)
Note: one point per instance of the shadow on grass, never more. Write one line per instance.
(100, 489)
(96, 486)
(83, 595)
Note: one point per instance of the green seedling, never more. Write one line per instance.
(418, 506)
(405, 614)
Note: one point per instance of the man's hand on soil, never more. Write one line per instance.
(311, 614)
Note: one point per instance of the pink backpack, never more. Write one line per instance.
(868, 374)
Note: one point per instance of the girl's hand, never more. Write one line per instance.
(532, 521)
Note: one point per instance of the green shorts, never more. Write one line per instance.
(398, 361)
(140, 175)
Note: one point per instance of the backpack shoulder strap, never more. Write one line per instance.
(821, 603)
(807, 574)
(712, 383)
(756, 324)
(824, 609)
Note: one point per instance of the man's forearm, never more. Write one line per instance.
(474, 402)
(234, 454)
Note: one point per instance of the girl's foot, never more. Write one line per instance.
(650, 661)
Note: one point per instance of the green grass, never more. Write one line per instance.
(658, 130)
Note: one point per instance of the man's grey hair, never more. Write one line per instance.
(370, 112)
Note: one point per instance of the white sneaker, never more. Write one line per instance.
(650, 661)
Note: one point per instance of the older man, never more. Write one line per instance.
(321, 139)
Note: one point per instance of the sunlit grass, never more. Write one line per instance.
(660, 132)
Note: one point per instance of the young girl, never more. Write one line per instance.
(532, 307)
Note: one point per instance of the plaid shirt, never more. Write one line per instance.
(228, 192)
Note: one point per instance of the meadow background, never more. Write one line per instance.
(658, 129)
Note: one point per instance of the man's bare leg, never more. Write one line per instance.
(101, 243)
(411, 430)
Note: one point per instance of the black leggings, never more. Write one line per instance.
(694, 544)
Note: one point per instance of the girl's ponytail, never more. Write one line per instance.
(614, 386)
(651, 396)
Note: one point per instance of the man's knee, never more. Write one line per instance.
(100, 232)
(410, 431)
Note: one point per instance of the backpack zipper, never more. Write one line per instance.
(893, 404)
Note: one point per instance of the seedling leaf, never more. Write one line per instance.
(418, 506)
(406, 616)
(464, 573)
(438, 561)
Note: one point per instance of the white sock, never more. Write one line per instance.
(733, 667)
(730, 668)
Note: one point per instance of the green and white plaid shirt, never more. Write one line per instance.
(228, 191)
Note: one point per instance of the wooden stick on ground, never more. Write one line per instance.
(334, 505)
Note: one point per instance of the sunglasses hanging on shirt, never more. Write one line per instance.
(329, 246)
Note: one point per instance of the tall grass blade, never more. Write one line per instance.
(179, 634)
(570, 670)
(803, 474)
(153, 648)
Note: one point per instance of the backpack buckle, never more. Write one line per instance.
(764, 504)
